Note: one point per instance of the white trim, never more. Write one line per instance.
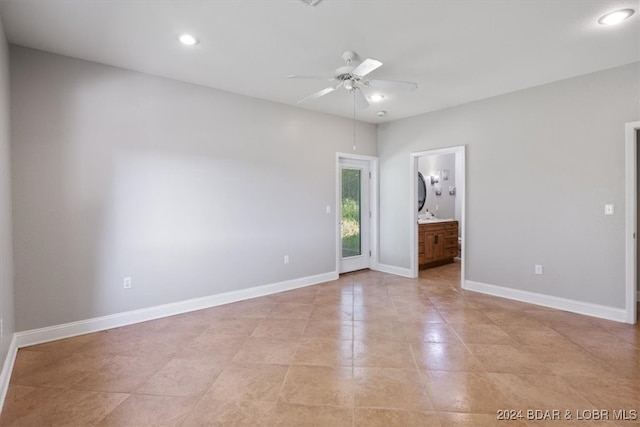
(631, 220)
(586, 308)
(391, 269)
(374, 206)
(51, 333)
(459, 150)
(7, 368)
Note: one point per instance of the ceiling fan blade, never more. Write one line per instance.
(295, 76)
(366, 66)
(320, 93)
(391, 84)
(361, 101)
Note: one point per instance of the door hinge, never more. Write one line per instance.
(369, 175)
(369, 214)
(369, 254)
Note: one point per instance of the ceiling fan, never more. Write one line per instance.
(352, 78)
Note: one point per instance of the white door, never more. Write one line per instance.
(355, 215)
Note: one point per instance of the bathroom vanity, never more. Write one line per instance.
(437, 242)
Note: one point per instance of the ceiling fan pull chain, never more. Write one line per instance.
(354, 119)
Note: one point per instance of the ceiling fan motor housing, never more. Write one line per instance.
(344, 73)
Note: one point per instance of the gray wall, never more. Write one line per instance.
(6, 245)
(445, 203)
(188, 190)
(541, 164)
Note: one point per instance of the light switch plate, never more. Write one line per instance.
(608, 209)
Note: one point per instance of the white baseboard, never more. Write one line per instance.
(52, 333)
(398, 271)
(7, 368)
(586, 308)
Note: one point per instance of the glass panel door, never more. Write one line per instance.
(354, 215)
(351, 213)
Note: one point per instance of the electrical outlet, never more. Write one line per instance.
(538, 269)
(328, 209)
(127, 283)
(286, 259)
(608, 209)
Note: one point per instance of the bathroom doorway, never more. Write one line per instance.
(632, 291)
(443, 171)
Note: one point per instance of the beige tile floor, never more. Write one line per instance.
(369, 349)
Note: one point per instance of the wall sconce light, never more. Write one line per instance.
(452, 191)
(445, 174)
(438, 191)
(435, 179)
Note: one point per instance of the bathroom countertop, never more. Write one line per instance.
(434, 220)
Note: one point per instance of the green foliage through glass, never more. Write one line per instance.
(351, 219)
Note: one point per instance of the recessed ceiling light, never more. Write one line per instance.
(381, 113)
(376, 97)
(615, 17)
(188, 39)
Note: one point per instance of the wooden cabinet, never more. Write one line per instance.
(437, 243)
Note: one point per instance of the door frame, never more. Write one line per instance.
(631, 215)
(374, 200)
(461, 191)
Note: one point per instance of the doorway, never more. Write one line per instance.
(458, 190)
(356, 212)
(632, 139)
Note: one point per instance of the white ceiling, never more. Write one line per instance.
(457, 51)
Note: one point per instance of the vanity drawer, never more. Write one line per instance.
(450, 225)
(451, 252)
(451, 243)
(431, 227)
(451, 233)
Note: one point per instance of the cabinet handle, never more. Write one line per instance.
(435, 239)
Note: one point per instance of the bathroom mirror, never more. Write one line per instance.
(422, 191)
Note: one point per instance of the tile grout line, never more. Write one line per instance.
(200, 399)
(353, 354)
(291, 361)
